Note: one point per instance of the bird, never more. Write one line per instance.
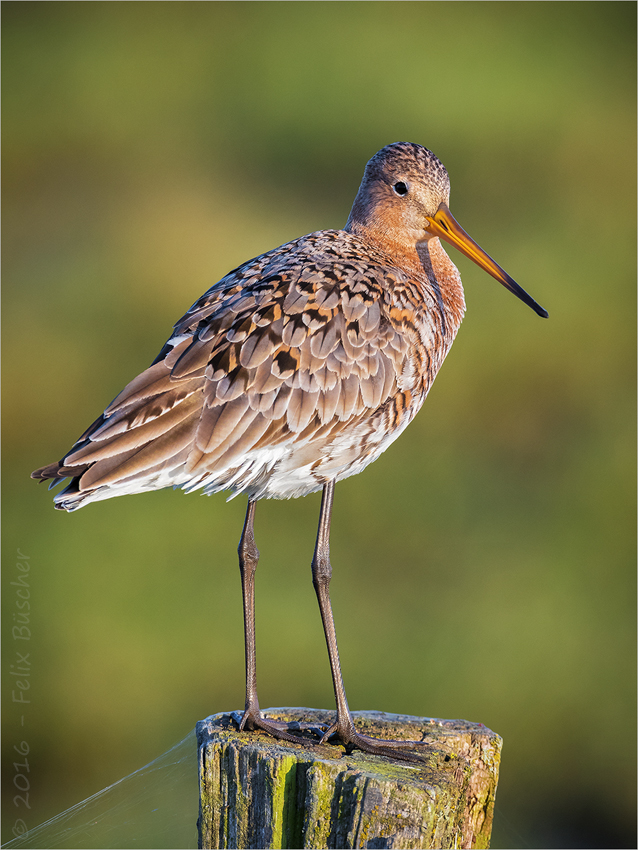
(293, 372)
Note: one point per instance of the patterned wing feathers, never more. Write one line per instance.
(134, 432)
(300, 409)
(326, 379)
(280, 405)
(218, 422)
(264, 380)
(153, 457)
(236, 443)
(327, 403)
(233, 385)
(152, 382)
(191, 363)
(324, 341)
(294, 332)
(258, 362)
(349, 398)
(259, 347)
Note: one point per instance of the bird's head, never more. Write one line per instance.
(404, 200)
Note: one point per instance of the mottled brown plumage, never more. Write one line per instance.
(295, 370)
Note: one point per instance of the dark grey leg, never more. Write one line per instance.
(321, 575)
(343, 727)
(248, 560)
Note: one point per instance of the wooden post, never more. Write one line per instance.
(261, 793)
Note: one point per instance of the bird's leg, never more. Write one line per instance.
(321, 575)
(343, 727)
(248, 560)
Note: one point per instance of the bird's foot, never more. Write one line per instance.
(253, 720)
(346, 734)
(341, 732)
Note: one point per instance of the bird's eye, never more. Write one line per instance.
(401, 188)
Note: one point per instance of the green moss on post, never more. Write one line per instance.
(256, 792)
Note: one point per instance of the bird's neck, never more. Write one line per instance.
(441, 271)
(425, 262)
(401, 251)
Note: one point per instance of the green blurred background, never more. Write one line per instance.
(484, 566)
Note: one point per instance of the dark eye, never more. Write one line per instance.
(401, 188)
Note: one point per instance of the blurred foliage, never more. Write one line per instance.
(484, 566)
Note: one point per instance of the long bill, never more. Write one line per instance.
(444, 225)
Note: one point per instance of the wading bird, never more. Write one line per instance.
(294, 371)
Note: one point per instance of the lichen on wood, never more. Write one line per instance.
(256, 792)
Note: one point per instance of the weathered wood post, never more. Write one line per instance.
(261, 793)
